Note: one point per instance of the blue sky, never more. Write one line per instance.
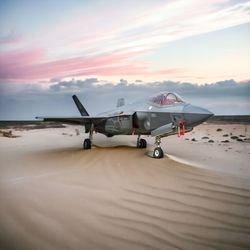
(43, 43)
(180, 40)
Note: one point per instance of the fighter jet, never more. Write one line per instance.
(161, 115)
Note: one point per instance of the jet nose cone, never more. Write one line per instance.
(195, 115)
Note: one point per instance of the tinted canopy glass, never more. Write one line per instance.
(166, 99)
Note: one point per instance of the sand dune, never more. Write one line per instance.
(56, 196)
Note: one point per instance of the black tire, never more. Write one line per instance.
(87, 144)
(139, 144)
(158, 153)
(142, 143)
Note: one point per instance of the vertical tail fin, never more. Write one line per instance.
(80, 107)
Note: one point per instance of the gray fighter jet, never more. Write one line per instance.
(159, 116)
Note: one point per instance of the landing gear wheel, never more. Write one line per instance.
(142, 143)
(87, 144)
(158, 153)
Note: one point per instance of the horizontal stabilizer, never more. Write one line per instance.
(80, 107)
(165, 129)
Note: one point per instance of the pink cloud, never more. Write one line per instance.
(28, 66)
(31, 65)
(12, 64)
(21, 57)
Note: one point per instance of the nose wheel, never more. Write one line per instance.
(158, 152)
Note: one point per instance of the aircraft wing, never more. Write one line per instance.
(81, 120)
(74, 120)
(85, 118)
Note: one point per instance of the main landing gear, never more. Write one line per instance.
(88, 142)
(158, 152)
(141, 143)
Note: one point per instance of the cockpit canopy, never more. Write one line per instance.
(166, 98)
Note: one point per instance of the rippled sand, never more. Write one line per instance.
(53, 195)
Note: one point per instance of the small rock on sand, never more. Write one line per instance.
(226, 141)
(8, 134)
(219, 129)
(205, 137)
(234, 137)
(211, 141)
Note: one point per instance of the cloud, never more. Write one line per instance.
(55, 79)
(17, 64)
(73, 85)
(222, 88)
(27, 65)
(10, 39)
(30, 100)
(106, 47)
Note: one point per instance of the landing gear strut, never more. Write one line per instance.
(141, 143)
(88, 142)
(158, 152)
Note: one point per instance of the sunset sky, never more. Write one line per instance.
(182, 40)
(46, 42)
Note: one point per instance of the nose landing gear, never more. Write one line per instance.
(158, 152)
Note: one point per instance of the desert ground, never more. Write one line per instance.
(54, 195)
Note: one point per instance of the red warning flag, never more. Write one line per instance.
(183, 128)
(179, 129)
